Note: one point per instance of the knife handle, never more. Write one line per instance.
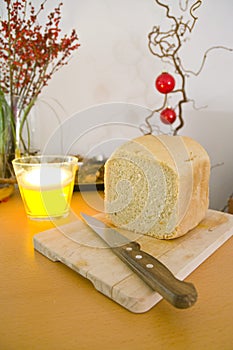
(179, 293)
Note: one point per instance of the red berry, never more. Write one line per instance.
(168, 115)
(165, 83)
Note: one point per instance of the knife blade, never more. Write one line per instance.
(179, 293)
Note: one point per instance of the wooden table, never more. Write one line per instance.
(46, 305)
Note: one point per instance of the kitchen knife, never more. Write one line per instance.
(179, 293)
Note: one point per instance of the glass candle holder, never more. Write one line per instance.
(46, 184)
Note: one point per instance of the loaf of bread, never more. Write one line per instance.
(157, 185)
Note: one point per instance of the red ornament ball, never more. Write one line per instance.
(168, 116)
(165, 83)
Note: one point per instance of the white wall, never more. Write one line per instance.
(114, 64)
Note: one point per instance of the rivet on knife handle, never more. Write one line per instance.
(179, 293)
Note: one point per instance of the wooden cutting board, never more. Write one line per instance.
(78, 247)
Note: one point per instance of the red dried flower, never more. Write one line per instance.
(29, 53)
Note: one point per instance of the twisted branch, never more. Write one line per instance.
(166, 45)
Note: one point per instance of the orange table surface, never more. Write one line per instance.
(46, 305)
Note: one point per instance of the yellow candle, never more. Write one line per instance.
(46, 184)
(46, 191)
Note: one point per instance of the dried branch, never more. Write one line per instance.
(166, 45)
(193, 8)
(204, 59)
